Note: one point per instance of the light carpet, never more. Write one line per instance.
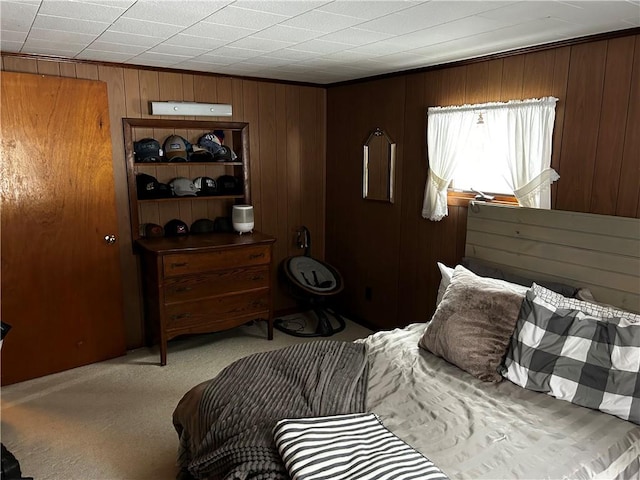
(113, 420)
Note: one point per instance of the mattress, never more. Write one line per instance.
(476, 430)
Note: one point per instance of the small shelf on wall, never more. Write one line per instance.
(192, 198)
(186, 208)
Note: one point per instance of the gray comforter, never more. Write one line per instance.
(225, 425)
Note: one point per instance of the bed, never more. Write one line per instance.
(471, 393)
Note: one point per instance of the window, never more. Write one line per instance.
(493, 147)
(479, 167)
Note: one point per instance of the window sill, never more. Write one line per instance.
(462, 199)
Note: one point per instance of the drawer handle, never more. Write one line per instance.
(183, 289)
(256, 255)
(181, 264)
(255, 278)
(256, 303)
(180, 316)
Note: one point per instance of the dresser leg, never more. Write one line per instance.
(270, 329)
(163, 353)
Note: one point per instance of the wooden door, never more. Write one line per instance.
(61, 285)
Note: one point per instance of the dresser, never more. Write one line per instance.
(204, 283)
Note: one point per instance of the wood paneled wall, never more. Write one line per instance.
(287, 133)
(389, 250)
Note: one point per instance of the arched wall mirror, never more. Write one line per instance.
(378, 167)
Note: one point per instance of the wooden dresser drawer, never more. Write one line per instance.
(205, 283)
(181, 315)
(188, 263)
(198, 286)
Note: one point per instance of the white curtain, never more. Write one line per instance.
(520, 133)
(447, 129)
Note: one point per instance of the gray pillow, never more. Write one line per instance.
(473, 323)
(484, 269)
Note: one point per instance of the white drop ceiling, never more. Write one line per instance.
(315, 41)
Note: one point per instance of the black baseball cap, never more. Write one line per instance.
(175, 228)
(229, 185)
(205, 186)
(149, 187)
(147, 150)
(202, 225)
(153, 230)
(224, 154)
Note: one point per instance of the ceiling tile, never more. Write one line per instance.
(320, 46)
(17, 16)
(178, 50)
(220, 32)
(253, 19)
(48, 22)
(216, 58)
(98, 55)
(173, 12)
(237, 53)
(287, 33)
(143, 27)
(149, 58)
(10, 46)
(129, 38)
(182, 40)
(81, 10)
(131, 50)
(369, 10)
(293, 55)
(355, 36)
(288, 8)
(322, 21)
(9, 36)
(60, 36)
(260, 44)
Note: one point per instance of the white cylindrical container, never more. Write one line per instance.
(242, 218)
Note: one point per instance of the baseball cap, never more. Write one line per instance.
(223, 225)
(153, 230)
(220, 135)
(224, 154)
(183, 187)
(175, 228)
(210, 142)
(147, 150)
(205, 186)
(176, 149)
(228, 185)
(200, 154)
(202, 225)
(148, 187)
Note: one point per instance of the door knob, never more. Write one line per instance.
(110, 239)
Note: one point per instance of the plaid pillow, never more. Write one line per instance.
(577, 357)
(605, 311)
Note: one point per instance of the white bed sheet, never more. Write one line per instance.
(476, 430)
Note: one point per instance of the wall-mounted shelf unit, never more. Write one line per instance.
(187, 208)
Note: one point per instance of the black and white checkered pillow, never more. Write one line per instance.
(606, 312)
(349, 447)
(576, 356)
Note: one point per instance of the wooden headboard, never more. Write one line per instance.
(599, 252)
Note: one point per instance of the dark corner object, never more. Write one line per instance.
(312, 283)
(10, 465)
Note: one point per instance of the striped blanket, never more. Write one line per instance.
(225, 425)
(347, 447)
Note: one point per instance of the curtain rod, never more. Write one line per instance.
(493, 105)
